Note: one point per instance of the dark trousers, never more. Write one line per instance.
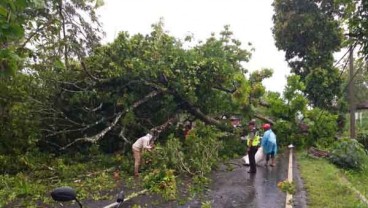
(252, 160)
(270, 155)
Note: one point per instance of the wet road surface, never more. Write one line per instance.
(238, 188)
(232, 186)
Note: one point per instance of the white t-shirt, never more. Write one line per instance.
(143, 142)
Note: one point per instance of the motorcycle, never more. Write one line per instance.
(66, 193)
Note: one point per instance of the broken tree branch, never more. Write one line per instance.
(263, 118)
(95, 138)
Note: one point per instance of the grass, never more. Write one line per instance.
(324, 185)
(359, 179)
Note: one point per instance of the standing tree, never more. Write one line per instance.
(12, 21)
(38, 41)
(309, 34)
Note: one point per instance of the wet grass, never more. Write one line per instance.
(324, 185)
(359, 179)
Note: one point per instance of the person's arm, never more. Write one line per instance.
(147, 143)
(263, 140)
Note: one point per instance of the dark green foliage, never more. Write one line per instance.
(309, 34)
(354, 13)
(199, 183)
(170, 155)
(138, 82)
(11, 32)
(295, 123)
(67, 88)
(232, 147)
(197, 155)
(202, 149)
(19, 125)
(317, 128)
(349, 154)
(161, 181)
(322, 127)
(362, 138)
(36, 174)
(285, 132)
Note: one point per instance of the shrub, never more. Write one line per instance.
(161, 181)
(173, 155)
(348, 153)
(169, 155)
(202, 149)
(286, 186)
(284, 132)
(233, 147)
(362, 138)
(199, 183)
(322, 127)
(196, 156)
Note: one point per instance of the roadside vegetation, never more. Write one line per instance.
(324, 185)
(338, 180)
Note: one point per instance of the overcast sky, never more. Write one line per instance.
(250, 20)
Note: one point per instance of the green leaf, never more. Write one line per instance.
(59, 64)
(12, 5)
(3, 11)
(21, 4)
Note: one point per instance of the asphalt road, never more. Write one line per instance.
(238, 188)
(232, 186)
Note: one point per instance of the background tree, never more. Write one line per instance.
(38, 41)
(295, 123)
(11, 32)
(61, 30)
(309, 34)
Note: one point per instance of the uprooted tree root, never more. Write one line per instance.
(317, 153)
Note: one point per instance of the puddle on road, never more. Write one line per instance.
(237, 188)
(268, 194)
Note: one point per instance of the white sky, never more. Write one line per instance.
(250, 21)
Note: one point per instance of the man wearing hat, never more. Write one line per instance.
(253, 144)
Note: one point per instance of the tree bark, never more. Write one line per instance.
(95, 138)
(263, 118)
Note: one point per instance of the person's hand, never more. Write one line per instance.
(148, 148)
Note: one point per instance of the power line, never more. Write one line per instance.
(342, 58)
(346, 62)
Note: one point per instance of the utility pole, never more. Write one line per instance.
(351, 94)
